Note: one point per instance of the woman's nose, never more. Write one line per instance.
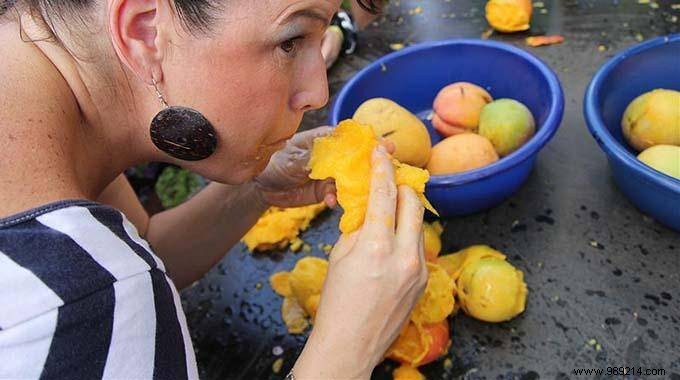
(313, 93)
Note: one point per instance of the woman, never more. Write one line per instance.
(218, 87)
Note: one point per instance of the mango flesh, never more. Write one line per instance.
(508, 124)
(664, 158)
(278, 227)
(396, 124)
(345, 155)
(306, 281)
(509, 15)
(457, 108)
(460, 153)
(652, 119)
(432, 240)
(406, 372)
(492, 290)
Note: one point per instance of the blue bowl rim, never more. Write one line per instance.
(531, 148)
(599, 130)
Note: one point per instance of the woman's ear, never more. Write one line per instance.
(133, 25)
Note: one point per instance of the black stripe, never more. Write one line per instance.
(170, 361)
(81, 341)
(114, 221)
(55, 259)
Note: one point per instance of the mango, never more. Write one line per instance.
(509, 15)
(492, 290)
(457, 108)
(395, 123)
(508, 124)
(652, 119)
(460, 153)
(406, 372)
(432, 240)
(345, 155)
(279, 227)
(664, 158)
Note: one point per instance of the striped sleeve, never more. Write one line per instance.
(92, 301)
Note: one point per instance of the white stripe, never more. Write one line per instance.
(22, 294)
(24, 348)
(192, 368)
(131, 230)
(100, 242)
(133, 339)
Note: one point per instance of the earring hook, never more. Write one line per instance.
(158, 93)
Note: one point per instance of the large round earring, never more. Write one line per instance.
(182, 132)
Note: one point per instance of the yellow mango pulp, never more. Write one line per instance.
(345, 155)
(278, 227)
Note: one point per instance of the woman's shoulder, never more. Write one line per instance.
(64, 252)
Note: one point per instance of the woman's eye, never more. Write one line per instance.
(289, 46)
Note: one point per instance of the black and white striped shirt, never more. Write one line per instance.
(82, 296)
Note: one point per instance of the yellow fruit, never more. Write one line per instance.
(492, 290)
(395, 123)
(306, 281)
(432, 240)
(345, 155)
(652, 119)
(280, 282)
(278, 227)
(509, 15)
(455, 262)
(508, 124)
(437, 301)
(461, 153)
(457, 108)
(664, 158)
(294, 316)
(406, 372)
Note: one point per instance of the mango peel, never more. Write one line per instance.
(346, 156)
(432, 241)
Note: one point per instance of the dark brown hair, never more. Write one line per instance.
(196, 15)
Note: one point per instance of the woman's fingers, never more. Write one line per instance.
(343, 246)
(382, 200)
(409, 221)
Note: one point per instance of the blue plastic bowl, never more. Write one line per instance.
(413, 76)
(644, 67)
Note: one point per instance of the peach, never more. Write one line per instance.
(460, 153)
(457, 108)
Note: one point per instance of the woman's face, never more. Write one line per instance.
(253, 78)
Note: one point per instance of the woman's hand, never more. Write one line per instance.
(331, 45)
(375, 277)
(285, 182)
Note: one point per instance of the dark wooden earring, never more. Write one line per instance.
(182, 132)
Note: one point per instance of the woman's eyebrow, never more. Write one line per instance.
(312, 14)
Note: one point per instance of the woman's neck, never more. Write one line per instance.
(70, 131)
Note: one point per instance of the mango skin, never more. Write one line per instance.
(508, 124)
(492, 290)
(395, 123)
(457, 108)
(460, 153)
(652, 119)
(664, 158)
